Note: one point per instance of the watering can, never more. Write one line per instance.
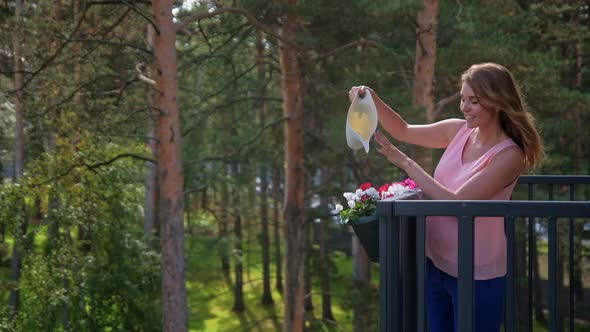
(361, 121)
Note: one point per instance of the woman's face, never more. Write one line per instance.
(474, 112)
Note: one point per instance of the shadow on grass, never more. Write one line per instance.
(210, 294)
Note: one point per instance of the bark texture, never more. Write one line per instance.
(424, 69)
(294, 181)
(170, 170)
(263, 171)
(19, 149)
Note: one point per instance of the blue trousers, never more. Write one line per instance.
(441, 298)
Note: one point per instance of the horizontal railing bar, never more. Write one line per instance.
(554, 179)
(559, 209)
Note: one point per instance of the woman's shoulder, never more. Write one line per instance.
(510, 154)
(453, 127)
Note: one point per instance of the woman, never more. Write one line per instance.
(485, 153)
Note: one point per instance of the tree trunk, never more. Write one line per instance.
(538, 291)
(238, 270)
(521, 298)
(175, 315)
(223, 235)
(53, 207)
(150, 220)
(250, 218)
(52, 134)
(578, 268)
(324, 272)
(263, 173)
(19, 152)
(83, 226)
(308, 299)
(424, 69)
(276, 187)
(294, 180)
(189, 205)
(2, 225)
(265, 242)
(324, 254)
(580, 137)
(562, 303)
(361, 274)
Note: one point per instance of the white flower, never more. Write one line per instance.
(349, 196)
(339, 208)
(359, 193)
(372, 192)
(394, 190)
(351, 204)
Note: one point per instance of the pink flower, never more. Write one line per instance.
(410, 183)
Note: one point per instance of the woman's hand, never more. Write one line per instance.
(393, 154)
(361, 90)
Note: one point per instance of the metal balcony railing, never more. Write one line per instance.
(403, 261)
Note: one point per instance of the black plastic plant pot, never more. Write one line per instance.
(367, 231)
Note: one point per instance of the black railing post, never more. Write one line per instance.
(572, 304)
(408, 272)
(509, 304)
(421, 273)
(389, 287)
(552, 230)
(397, 270)
(465, 283)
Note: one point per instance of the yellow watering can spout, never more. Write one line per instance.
(361, 122)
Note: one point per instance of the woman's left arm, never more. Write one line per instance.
(503, 169)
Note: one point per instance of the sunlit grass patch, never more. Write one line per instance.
(211, 293)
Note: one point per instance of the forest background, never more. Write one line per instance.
(170, 166)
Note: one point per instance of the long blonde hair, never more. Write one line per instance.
(496, 88)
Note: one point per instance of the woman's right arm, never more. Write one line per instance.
(434, 135)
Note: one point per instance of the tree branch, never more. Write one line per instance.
(361, 42)
(69, 39)
(237, 10)
(444, 103)
(139, 68)
(57, 52)
(95, 165)
(236, 151)
(115, 158)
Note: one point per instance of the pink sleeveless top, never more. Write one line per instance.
(441, 232)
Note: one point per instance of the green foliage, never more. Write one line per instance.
(107, 279)
(115, 287)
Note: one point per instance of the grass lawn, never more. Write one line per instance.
(210, 294)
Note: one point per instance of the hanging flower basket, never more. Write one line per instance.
(367, 231)
(362, 205)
